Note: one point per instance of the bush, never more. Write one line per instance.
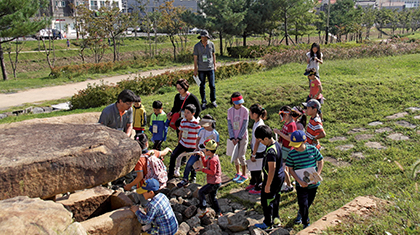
(275, 59)
(95, 95)
(102, 94)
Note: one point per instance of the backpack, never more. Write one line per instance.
(156, 169)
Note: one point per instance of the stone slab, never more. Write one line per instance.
(384, 129)
(414, 109)
(356, 130)
(415, 117)
(336, 162)
(405, 124)
(377, 123)
(345, 147)
(88, 203)
(398, 136)
(338, 138)
(363, 137)
(24, 215)
(374, 145)
(44, 159)
(397, 115)
(358, 155)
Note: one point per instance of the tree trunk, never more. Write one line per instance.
(115, 49)
(244, 37)
(174, 46)
(285, 29)
(3, 66)
(221, 43)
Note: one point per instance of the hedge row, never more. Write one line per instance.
(96, 95)
(275, 59)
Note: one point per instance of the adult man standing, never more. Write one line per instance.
(204, 66)
(119, 115)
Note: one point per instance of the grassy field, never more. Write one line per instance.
(358, 92)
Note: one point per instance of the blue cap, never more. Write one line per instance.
(150, 185)
(297, 138)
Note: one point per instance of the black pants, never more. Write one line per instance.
(270, 202)
(157, 145)
(305, 198)
(177, 151)
(256, 176)
(211, 190)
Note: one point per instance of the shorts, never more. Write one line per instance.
(284, 153)
(240, 160)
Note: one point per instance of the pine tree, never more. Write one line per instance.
(16, 21)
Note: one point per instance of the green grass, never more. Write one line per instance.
(357, 92)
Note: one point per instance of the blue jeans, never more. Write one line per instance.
(210, 75)
(189, 166)
(211, 190)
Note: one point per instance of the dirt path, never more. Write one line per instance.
(67, 90)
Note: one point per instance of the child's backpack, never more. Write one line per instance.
(156, 169)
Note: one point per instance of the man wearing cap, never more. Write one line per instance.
(204, 66)
(315, 129)
(211, 167)
(159, 212)
(302, 157)
(119, 115)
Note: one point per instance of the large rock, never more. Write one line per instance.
(88, 203)
(23, 215)
(42, 160)
(80, 118)
(238, 222)
(119, 222)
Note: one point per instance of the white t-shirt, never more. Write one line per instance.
(261, 147)
(204, 135)
(313, 63)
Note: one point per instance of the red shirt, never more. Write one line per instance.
(287, 130)
(315, 89)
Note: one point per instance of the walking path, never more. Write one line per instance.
(67, 90)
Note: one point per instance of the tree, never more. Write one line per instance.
(368, 19)
(16, 21)
(171, 21)
(415, 19)
(320, 24)
(16, 49)
(304, 17)
(383, 17)
(342, 17)
(225, 17)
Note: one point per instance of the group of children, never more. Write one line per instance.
(279, 159)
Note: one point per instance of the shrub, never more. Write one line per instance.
(95, 95)
(101, 94)
(275, 59)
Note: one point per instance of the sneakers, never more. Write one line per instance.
(306, 225)
(219, 215)
(263, 227)
(287, 189)
(236, 178)
(201, 213)
(203, 106)
(183, 183)
(241, 179)
(214, 104)
(249, 187)
(276, 222)
(193, 180)
(255, 192)
(298, 219)
(176, 173)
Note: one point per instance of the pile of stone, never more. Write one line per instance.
(37, 110)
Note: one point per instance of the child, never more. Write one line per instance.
(140, 118)
(188, 133)
(273, 178)
(211, 167)
(141, 166)
(315, 88)
(159, 213)
(315, 130)
(158, 125)
(258, 114)
(314, 58)
(206, 132)
(288, 128)
(238, 134)
(300, 118)
(301, 157)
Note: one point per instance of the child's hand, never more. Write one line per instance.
(303, 184)
(235, 141)
(199, 169)
(267, 189)
(127, 187)
(134, 208)
(253, 158)
(277, 131)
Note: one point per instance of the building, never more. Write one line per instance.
(152, 5)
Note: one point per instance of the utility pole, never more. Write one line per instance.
(328, 23)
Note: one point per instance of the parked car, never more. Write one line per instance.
(48, 34)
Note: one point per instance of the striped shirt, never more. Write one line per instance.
(314, 128)
(305, 159)
(189, 132)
